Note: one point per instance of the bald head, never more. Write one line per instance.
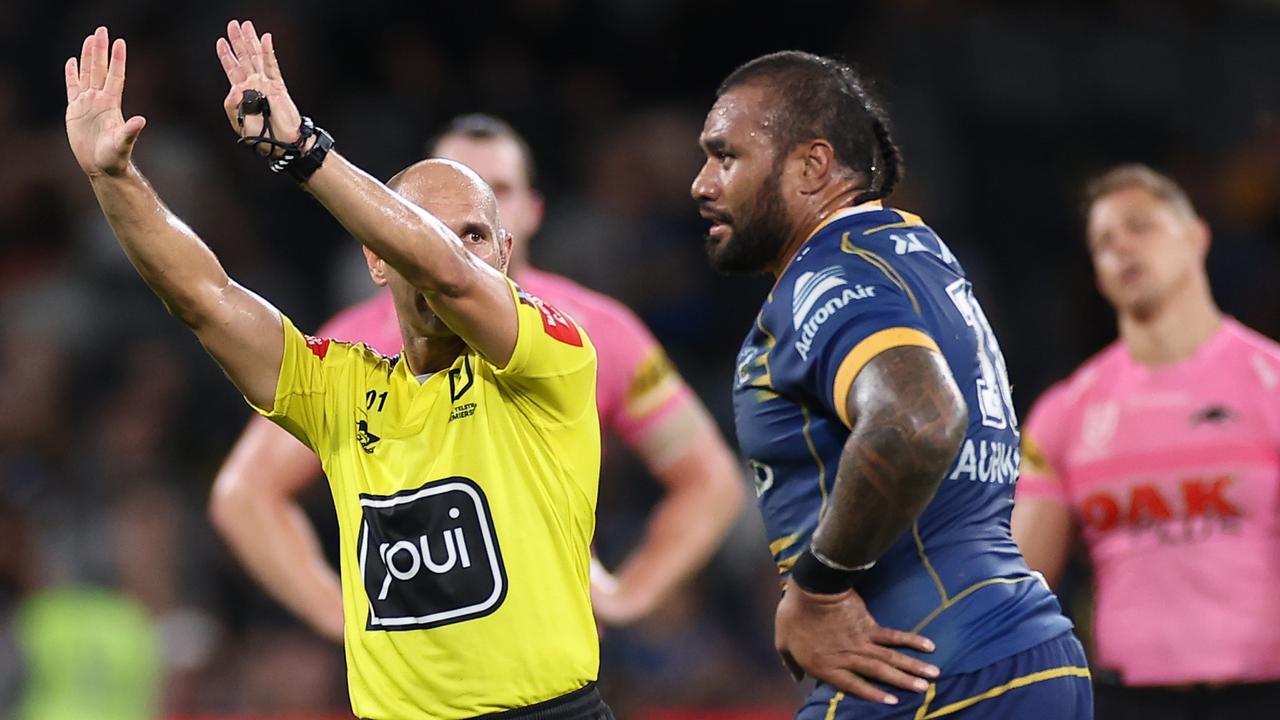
(457, 198)
(437, 183)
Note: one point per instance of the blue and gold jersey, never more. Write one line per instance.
(869, 279)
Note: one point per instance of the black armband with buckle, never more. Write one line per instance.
(302, 167)
(293, 158)
(817, 574)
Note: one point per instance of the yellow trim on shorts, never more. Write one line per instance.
(831, 709)
(1065, 671)
(928, 698)
(863, 352)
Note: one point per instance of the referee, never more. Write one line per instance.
(464, 470)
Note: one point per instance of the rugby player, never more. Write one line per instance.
(464, 470)
(1163, 452)
(872, 403)
(640, 396)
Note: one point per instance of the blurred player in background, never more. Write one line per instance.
(870, 366)
(641, 399)
(1164, 449)
(464, 471)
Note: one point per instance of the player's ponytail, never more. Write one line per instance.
(887, 170)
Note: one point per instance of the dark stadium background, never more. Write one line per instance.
(112, 421)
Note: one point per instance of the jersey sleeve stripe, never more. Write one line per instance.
(863, 352)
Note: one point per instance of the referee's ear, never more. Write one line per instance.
(377, 268)
(505, 243)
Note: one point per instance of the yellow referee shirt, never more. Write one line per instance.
(466, 505)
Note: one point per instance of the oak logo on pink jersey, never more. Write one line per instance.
(1148, 504)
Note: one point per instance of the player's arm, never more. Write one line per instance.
(240, 330)
(1043, 524)
(470, 296)
(254, 508)
(703, 493)
(1044, 530)
(908, 420)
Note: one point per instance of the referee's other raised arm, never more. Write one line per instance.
(433, 249)
(239, 329)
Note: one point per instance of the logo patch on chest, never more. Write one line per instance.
(368, 441)
(430, 556)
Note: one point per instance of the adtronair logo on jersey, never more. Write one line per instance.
(807, 314)
(430, 557)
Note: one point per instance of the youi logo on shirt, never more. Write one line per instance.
(808, 315)
(430, 556)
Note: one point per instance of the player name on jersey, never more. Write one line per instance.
(987, 461)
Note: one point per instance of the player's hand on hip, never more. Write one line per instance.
(250, 64)
(835, 639)
(611, 603)
(101, 139)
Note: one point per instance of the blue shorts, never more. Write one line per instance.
(1048, 682)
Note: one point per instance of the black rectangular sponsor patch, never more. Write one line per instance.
(430, 556)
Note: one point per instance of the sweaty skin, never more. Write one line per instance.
(907, 415)
(254, 506)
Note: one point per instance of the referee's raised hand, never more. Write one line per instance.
(250, 64)
(101, 139)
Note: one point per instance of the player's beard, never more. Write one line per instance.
(757, 236)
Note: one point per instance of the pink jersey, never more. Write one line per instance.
(1173, 474)
(372, 322)
(637, 386)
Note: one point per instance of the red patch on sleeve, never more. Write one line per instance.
(557, 324)
(318, 346)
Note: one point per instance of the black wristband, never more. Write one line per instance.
(815, 576)
(301, 168)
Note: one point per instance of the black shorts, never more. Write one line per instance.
(1119, 702)
(582, 704)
